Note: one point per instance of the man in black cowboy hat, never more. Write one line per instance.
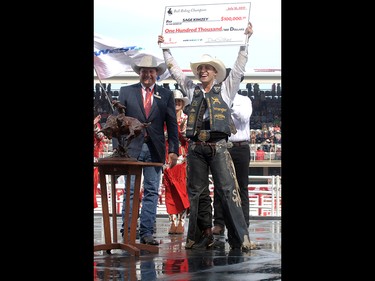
(149, 146)
(209, 126)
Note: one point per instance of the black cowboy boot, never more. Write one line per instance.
(206, 240)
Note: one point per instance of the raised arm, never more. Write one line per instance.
(233, 81)
(176, 72)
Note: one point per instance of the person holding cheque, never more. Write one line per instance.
(209, 126)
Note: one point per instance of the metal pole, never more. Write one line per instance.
(106, 94)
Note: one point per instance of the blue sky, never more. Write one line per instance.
(140, 22)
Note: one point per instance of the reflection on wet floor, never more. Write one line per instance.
(173, 262)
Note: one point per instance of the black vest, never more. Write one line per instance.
(220, 120)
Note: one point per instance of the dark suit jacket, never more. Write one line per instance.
(163, 110)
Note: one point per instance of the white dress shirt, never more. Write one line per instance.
(241, 112)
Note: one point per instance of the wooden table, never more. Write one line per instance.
(122, 166)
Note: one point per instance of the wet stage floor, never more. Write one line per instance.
(173, 262)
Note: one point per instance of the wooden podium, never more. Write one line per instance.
(128, 167)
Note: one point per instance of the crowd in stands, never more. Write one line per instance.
(265, 121)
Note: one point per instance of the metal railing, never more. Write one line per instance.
(264, 196)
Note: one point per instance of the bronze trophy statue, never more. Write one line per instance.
(119, 125)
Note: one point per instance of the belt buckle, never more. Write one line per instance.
(204, 135)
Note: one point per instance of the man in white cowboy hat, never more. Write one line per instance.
(150, 145)
(209, 126)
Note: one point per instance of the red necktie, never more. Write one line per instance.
(147, 101)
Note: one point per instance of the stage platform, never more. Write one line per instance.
(173, 262)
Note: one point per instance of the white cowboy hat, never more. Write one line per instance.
(151, 62)
(217, 64)
(178, 95)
